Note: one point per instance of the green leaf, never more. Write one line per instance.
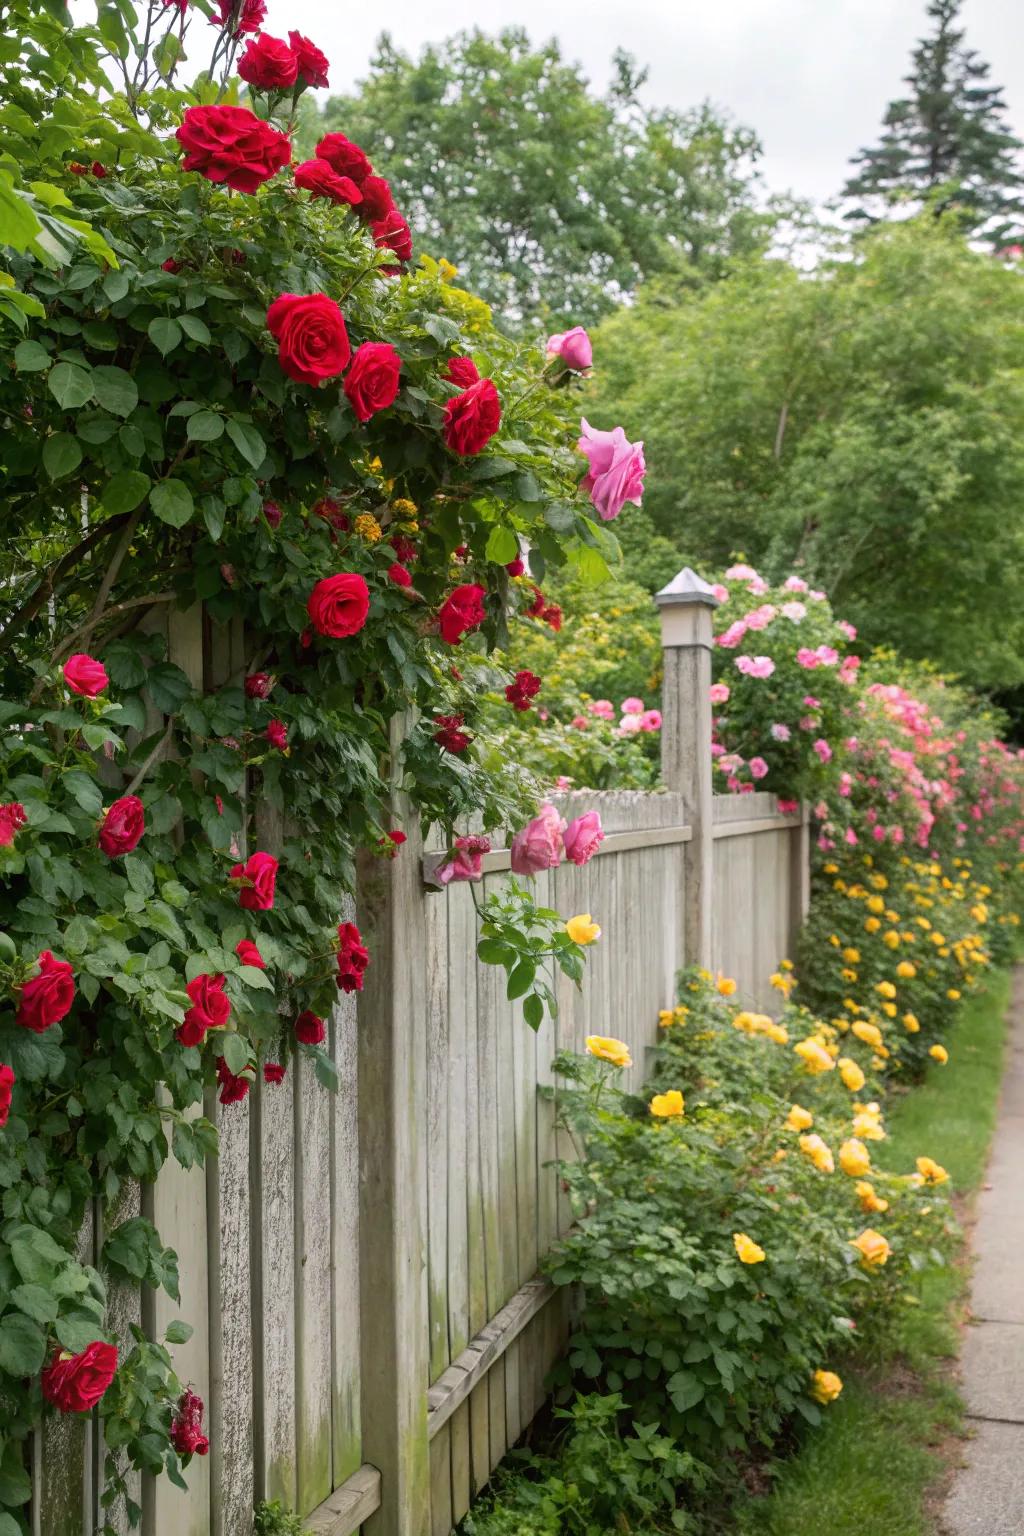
(521, 979)
(140, 874)
(178, 1332)
(495, 952)
(165, 334)
(204, 427)
(62, 454)
(171, 500)
(77, 1330)
(15, 1484)
(125, 490)
(22, 1345)
(30, 357)
(70, 385)
(36, 1302)
(502, 545)
(8, 1525)
(236, 1052)
(195, 328)
(168, 686)
(248, 441)
(533, 1010)
(84, 789)
(115, 390)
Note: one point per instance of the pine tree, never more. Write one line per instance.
(946, 145)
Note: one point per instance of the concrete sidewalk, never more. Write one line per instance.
(987, 1497)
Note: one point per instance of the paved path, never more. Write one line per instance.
(987, 1497)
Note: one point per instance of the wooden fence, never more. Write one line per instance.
(361, 1269)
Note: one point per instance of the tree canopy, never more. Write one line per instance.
(553, 200)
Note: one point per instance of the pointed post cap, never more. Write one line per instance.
(686, 588)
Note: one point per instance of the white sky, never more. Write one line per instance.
(812, 77)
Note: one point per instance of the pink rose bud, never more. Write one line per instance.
(573, 347)
(538, 845)
(583, 837)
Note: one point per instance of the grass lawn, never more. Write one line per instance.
(874, 1467)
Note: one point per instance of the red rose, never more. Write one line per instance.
(122, 827)
(405, 550)
(248, 953)
(451, 736)
(353, 958)
(462, 371)
(316, 176)
(187, 1426)
(7, 1081)
(75, 1383)
(272, 513)
(170, 265)
(392, 233)
(268, 64)
(312, 342)
(328, 509)
(472, 418)
(12, 819)
(210, 1009)
(515, 567)
(462, 611)
(313, 65)
(377, 199)
(232, 145)
(233, 1086)
(256, 878)
(338, 605)
(371, 383)
(258, 685)
(310, 1029)
(344, 157)
(399, 575)
(246, 17)
(99, 169)
(397, 837)
(46, 998)
(273, 1072)
(85, 675)
(277, 734)
(525, 687)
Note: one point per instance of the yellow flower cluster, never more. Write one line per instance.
(761, 1024)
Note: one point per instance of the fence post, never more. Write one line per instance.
(392, 1068)
(686, 605)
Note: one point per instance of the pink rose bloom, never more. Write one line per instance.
(755, 666)
(650, 720)
(851, 837)
(794, 584)
(848, 669)
(629, 724)
(815, 596)
(845, 784)
(563, 783)
(604, 709)
(823, 750)
(740, 573)
(632, 706)
(617, 468)
(583, 837)
(846, 629)
(794, 612)
(745, 789)
(878, 833)
(808, 723)
(722, 593)
(573, 347)
(810, 702)
(827, 655)
(719, 693)
(731, 763)
(579, 722)
(464, 863)
(758, 768)
(780, 732)
(821, 810)
(761, 617)
(538, 845)
(807, 658)
(756, 585)
(717, 749)
(733, 635)
(897, 834)
(788, 807)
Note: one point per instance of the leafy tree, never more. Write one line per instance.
(552, 200)
(946, 144)
(861, 423)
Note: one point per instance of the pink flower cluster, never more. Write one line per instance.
(541, 844)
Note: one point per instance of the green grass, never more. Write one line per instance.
(870, 1468)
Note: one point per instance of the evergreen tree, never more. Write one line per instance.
(946, 145)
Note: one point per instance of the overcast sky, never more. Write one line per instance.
(812, 77)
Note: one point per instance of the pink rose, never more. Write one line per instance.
(616, 473)
(788, 807)
(846, 629)
(583, 837)
(538, 845)
(740, 573)
(807, 658)
(602, 708)
(731, 637)
(794, 612)
(632, 706)
(719, 693)
(794, 584)
(780, 732)
(650, 720)
(464, 861)
(758, 768)
(573, 347)
(629, 724)
(823, 750)
(84, 675)
(755, 666)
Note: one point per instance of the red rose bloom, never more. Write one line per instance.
(310, 1029)
(328, 509)
(268, 64)
(312, 342)
(344, 157)
(399, 575)
(515, 567)
(122, 827)
(99, 169)
(210, 1009)
(405, 550)
(462, 611)
(277, 735)
(187, 1426)
(273, 1072)
(377, 199)
(75, 1383)
(371, 383)
(451, 736)
(12, 819)
(313, 65)
(462, 371)
(170, 265)
(7, 1081)
(392, 233)
(233, 1086)
(353, 958)
(232, 145)
(46, 998)
(258, 685)
(316, 177)
(338, 605)
(248, 953)
(85, 675)
(248, 16)
(525, 687)
(472, 418)
(272, 513)
(256, 877)
(397, 837)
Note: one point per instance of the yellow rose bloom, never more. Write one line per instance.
(851, 1074)
(819, 1153)
(906, 970)
(931, 1171)
(911, 1023)
(890, 1010)
(872, 1247)
(665, 1018)
(825, 1386)
(875, 904)
(403, 507)
(367, 527)
(799, 1119)
(814, 1056)
(886, 989)
(725, 985)
(953, 994)
(872, 924)
(581, 930)
(851, 955)
(870, 1201)
(868, 1126)
(891, 939)
(747, 1251)
(607, 1048)
(939, 1053)
(854, 1158)
(869, 1033)
(665, 1106)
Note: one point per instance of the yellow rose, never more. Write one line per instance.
(953, 994)
(581, 930)
(906, 970)
(872, 1247)
(851, 956)
(814, 1056)
(891, 939)
(825, 1386)
(367, 527)
(665, 1106)
(869, 1033)
(911, 1023)
(818, 1152)
(875, 904)
(930, 1171)
(886, 989)
(725, 985)
(868, 1126)
(890, 1010)
(872, 924)
(939, 1053)
(607, 1048)
(869, 1200)
(799, 1119)
(851, 1074)
(854, 1158)
(747, 1251)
